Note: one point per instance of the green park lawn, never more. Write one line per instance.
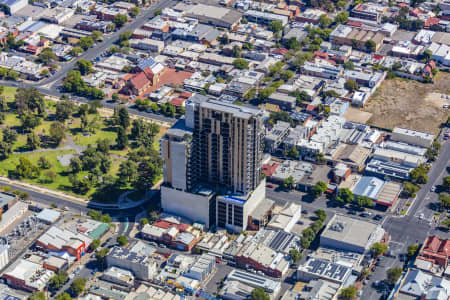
(8, 167)
(61, 182)
(8, 92)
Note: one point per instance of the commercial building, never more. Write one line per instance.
(436, 250)
(419, 285)
(384, 193)
(260, 257)
(350, 234)
(310, 15)
(355, 37)
(14, 5)
(208, 14)
(317, 290)
(89, 25)
(56, 264)
(12, 214)
(368, 11)
(278, 240)
(147, 44)
(286, 217)
(216, 145)
(237, 280)
(237, 212)
(48, 216)
(382, 169)
(402, 158)
(412, 137)
(58, 239)
(318, 70)
(202, 268)
(367, 79)
(7, 200)
(284, 101)
(354, 156)
(27, 275)
(119, 276)
(214, 243)
(137, 261)
(172, 236)
(150, 292)
(317, 269)
(264, 18)
(57, 15)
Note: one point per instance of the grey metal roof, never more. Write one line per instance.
(236, 110)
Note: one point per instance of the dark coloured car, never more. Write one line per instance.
(378, 217)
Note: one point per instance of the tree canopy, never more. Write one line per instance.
(378, 249)
(259, 294)
(318, 189)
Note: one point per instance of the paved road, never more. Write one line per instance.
(427, 201)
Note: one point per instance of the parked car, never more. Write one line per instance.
(270, 186)
(378, 217)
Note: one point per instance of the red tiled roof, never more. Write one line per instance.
(438, 246)
(310, 107)
(139, 80)
(354, 23)
(321, 54)
(281, 51)
(148, 72)
(164, 224)
(177, 101)
(377, 56)
(32, 47)
(269, 169)
(127, 76)
(415, 12)
(431, 21)
(185, 95)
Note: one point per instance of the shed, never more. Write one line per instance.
(48, 216)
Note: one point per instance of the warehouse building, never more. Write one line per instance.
(136, 259)
(57, 239)
(27, 275)
(240, 284)
(14, 5)
(350, 234)
(412, 137)
(317, 269)
(384, 193)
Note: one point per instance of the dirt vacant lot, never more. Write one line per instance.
(410, 104)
